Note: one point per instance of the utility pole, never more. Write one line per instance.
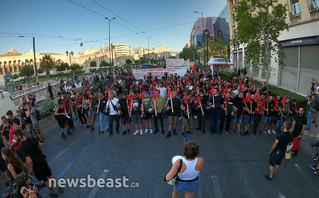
(111, 53)
(35, 61)
(148, 46)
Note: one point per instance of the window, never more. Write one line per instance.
(296, 7)
(316, 3)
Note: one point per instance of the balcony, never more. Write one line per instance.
(314, 10)
(294, 18)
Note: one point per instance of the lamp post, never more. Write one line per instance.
(206, 33)
(70, 55)
(110, 39)
(148, 47)
(203, 28)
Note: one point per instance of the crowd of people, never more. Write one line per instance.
(235, 106)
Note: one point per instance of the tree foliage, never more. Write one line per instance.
(128, 61)
(259, 24)
(26, 72)
(93, 64)
(190, 53)
(47, 64)
(75, 66)
(219, 47)
(104, 63)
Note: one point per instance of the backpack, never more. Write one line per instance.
(10, 191)
(37, 115)
(317, 105)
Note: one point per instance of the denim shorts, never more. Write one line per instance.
(267, 119)
(187, 186)
(237, 119)
(248, 119)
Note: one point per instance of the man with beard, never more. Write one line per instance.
(298, 127)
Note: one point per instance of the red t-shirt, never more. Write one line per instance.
(66, 105)
(260, 105)
(79, 100)
(11, 138)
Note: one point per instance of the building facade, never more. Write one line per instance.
(196, 37)
(300, 45)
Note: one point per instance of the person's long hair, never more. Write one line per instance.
(13, 159)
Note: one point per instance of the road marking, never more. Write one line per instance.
(96, 188)
(71, 163)
(280, 195)
(216, 187)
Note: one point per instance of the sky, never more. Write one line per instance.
(61, 25)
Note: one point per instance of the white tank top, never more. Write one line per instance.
(190, 172)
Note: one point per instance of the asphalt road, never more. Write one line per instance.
(234, 166)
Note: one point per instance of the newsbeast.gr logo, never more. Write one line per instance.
(91, 182)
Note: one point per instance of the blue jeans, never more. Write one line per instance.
(282, 119)
(103, 117)
(214, 118)
(309, 119)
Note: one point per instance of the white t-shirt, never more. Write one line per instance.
(115, 102)
(317, 88)
(236, 92)
(163, 92)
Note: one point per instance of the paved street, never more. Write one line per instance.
(234, 166)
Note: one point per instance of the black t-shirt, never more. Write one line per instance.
(204, 99)
(270, 107)
(136, 109)
(5, 133)
(251, 108)
(284, 138)
(300, 121)
(29, 148)
(176, 105)
(123, 104)
(16, 121)
(239, 104)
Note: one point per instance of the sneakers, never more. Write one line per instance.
(239, 133)
(268, 131)
(141, 132)
(151, 130)
(146, 130)
(195, 117)
(312, 166)
(174, 132)
(227, 132)
(268, 177)
(179, 118)
(136, 132)
(124, 132)
(63, 136)
(128, 130)
(168, 135)
(274, 132)
(306, 131)
(70, 133)
(315, 172)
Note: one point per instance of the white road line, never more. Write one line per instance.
(216, 187)
(96, 188)
(280, 195)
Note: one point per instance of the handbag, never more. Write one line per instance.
(173, 180)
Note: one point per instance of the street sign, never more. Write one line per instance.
(8, 76)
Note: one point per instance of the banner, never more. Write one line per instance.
(140, 73)
(177, 64)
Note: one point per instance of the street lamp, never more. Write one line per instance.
(148, 46)
(206, 33)
(202, 27)
(110, 39)
(70, 55)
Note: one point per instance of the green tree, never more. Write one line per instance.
(62, 67)
(75, 66)
(128, 61)
(15, 76)
(104, 63)
(219, 47)
(93, 64)
(47, 64)
(259, 24)
(190, 53)
(26, 72)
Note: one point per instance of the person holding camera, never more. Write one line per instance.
(31, 153)
(111, 106)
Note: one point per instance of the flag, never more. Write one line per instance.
(248, 98)
(186, 100)
(131, 101)
(141, 95)
(226, 101)
(207, 88)
(267, 98)
(276, 104)
(198, 101)
(241, 85)
(212, 90)
(257, 97)
(107, 89)
(296, 107)
(224, 91)
(154, 96)
(169, 94)
(283, 100)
